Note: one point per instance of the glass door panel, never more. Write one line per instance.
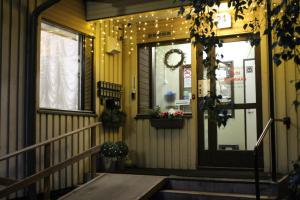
(238, 81)
(231, 73)
(240, 133)
(232, 136)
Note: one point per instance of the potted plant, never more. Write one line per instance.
(294, 182)
(173, 119)
(113, 118)
(109, 151)
(122, 152)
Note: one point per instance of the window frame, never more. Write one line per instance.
(81, 56)
(150, 45)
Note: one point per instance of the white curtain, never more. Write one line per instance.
(59, 71)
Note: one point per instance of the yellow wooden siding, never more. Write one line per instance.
(70, 13)
(13, 34)
(150, 147)
(163, 148)
(287, 141)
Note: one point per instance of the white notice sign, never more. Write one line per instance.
(224, 20)
(182, 102)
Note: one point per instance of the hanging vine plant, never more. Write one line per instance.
(283, 23)
(167, 59)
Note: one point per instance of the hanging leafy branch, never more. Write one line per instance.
(284, 26)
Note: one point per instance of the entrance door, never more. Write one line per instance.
(238, 81)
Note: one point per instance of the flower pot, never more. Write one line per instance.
(120, 165)
(167, 123)
(109, 164)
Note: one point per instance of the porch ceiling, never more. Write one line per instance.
(100, 9)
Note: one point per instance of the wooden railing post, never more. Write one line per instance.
(30, 181)
(47, 165)
(93, 156)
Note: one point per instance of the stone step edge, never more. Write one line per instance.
(225, 180)
(218, 194)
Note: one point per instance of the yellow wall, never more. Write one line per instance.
(164, 148)
(152, 148)
(156, 148)
(71, 14)
(13, 50)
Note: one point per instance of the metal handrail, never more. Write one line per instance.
(48, 141)
(256, 148)
(264, 133)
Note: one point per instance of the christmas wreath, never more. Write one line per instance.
(167, 56)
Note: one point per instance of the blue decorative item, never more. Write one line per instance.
(170, 96)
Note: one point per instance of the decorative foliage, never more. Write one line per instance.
(113, 118)
(109, 150)
(213, 105)
(286, 29)
(284, 26)
(122, 150)
(118, 150)
(294, 183)
(167, 60)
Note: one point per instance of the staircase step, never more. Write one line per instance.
(197, 195)
(235, 186)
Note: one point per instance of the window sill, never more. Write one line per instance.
(144, 116)
(67, 112)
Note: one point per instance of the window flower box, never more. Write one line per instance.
(164, 123)
(167, 120)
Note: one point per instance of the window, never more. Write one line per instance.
(66, 69)
(159, 83)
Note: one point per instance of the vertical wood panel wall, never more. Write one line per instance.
(149, 147)
(152, 148)
(71, 13)
(14, 16)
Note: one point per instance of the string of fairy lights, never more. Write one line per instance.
(137, 28)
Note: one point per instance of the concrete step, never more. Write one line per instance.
(221, 185)
(197, 195)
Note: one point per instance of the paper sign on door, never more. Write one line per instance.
(203, 88)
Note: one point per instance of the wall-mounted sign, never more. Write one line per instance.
(224, 20)
(249, 69)
(161, 34)
(203, 88)
(182, 102)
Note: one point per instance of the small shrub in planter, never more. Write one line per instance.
(114, 155)
(109, 151)
(121, 154)
(294, 182)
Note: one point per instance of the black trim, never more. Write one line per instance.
(126, 14)
(271, 94)
(150, 45)
(143, 116)
(82, 37)
(67, 112)
(219, 158)
(82, 47)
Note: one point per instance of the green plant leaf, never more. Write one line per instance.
(297, 85)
